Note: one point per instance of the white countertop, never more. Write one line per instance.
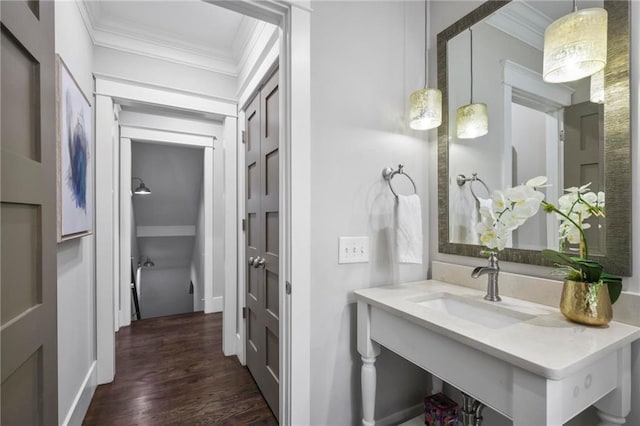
(546, 344)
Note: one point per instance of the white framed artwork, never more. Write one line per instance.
(75, 156)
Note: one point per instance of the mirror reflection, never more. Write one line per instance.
(535, 128)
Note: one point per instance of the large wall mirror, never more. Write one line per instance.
(535, 128)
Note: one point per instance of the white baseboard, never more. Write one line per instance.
(402, 416)
(81, 402)
(215, 305)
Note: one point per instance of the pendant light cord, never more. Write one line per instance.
(471, 61)
(426, 43)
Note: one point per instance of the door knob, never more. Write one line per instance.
(259, 263)
(251, 261)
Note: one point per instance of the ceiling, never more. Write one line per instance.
(192, 32)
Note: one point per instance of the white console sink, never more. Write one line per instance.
(488, 314)
(524, 360)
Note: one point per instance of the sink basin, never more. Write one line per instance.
(488, 314)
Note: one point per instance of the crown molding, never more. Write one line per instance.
(522, 21)
(160, 51)
(120, 36)
(87, 18)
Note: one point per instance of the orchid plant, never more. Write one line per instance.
(573, 209)
(508, 210)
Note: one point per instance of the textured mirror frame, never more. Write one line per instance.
(617, 130)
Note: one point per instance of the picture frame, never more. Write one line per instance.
(75, 163)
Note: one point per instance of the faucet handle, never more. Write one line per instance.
(492, 257)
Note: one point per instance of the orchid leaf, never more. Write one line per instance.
(591, 271)
(558, 258)
(614, 284)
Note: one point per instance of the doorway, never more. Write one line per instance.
(294, 189)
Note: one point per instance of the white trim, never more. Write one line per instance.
(528, 85)
(403, 416)
(81, 402)
(126, 207)
(208, 230)
(252, 71)
(166, 231)
(187, 126)
(255, 77)
(163, 137)
(115, 167)
(230, 152)
(106, 193)
(521, 21)
(188, 56)
(296, 84)
(239, 347)
(173, 98)
(242, 243)
(216, 304)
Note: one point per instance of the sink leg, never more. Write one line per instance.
(368, 378)
(368, 350)
(614, 407)
(609, 420)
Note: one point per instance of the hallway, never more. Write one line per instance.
(171, 370)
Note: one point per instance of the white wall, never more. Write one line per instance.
(76, 258)
(366, 60)
(165, 292)
(444, 13)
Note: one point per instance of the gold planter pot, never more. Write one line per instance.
(586, 303)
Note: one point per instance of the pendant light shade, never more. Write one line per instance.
(425, 105)
(575, 46)
(425, 109)
(597, 88)
(472, 121)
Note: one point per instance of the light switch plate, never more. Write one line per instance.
(353, 250)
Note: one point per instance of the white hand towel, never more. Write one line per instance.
(409, 229)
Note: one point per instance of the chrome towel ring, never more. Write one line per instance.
(388, 173)
(461, 180)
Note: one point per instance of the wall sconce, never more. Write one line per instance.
(472, 120)
(425, 105)
(148, 263)
(575, 46)
(141, 189)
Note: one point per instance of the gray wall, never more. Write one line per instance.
(165, 292)
(366, 59)
(76, 258)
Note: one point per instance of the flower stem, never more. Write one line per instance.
(583, 239)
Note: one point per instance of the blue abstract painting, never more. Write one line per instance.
(75, 143)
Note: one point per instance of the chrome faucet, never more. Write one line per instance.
(492, 271)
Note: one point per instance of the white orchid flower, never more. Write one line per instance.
(499, 201)
(537, 182)
(575, 189)
(600, 199)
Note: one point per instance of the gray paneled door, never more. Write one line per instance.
(584, 159)
(28, 214)
(262, 297)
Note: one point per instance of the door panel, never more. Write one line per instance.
(28, 214)
(263, 171)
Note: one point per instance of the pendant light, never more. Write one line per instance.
(425, 105)
(597, 88)
(575, 46)
(472, 119)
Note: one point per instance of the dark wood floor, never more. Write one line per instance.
(170, 371)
